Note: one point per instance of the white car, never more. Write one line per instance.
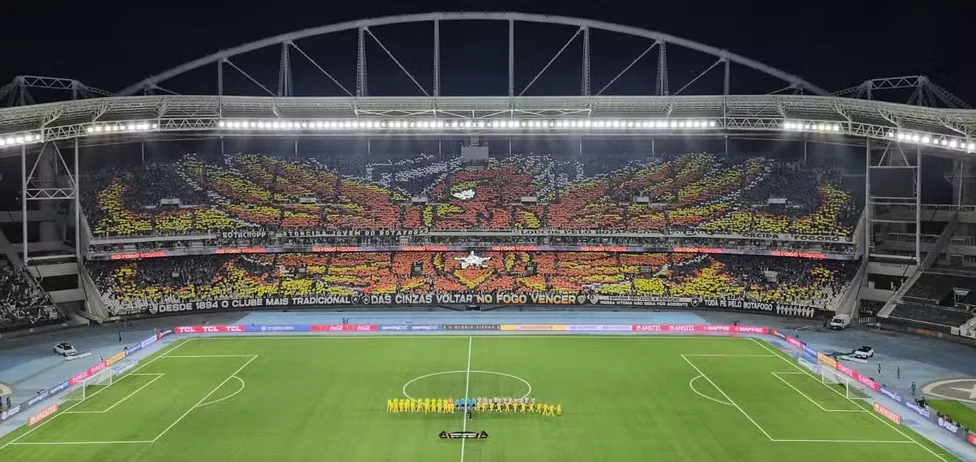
(65, 349)
(864, 352)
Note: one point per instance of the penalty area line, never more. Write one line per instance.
(228, 396)
(58, 443)
(727, 397)
(815, 403)
(137, 390)
(253, 357)
(872, 414)
(691, 384)
(55, 416)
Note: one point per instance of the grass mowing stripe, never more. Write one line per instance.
(32, 430)
(137, 390)
(727, 397)
(958, 411)
(253, 357)
(467, 388)
(879, 418)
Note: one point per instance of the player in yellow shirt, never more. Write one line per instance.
(426, 405)
(559, 409)
(522, 407)
(413, 405)
(389, 405)
(439, 406)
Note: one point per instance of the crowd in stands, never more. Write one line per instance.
(130, 286)
(686, 192)
(746, 245)
(22, 302)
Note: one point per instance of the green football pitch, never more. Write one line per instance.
(324, 398)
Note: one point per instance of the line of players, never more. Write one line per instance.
(450, 405)
(421, 405)
(519, 405)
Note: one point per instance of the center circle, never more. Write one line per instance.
(525, 383)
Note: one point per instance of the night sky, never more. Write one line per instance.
(832, 44)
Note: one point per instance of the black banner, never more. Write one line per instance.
(501, 298)
(464, 435)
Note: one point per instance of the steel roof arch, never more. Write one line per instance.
(463, 16)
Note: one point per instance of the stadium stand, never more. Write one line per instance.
(131, 286)
(251, 191)
(938, 299)
(22, 303)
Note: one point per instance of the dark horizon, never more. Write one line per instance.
(833, 46)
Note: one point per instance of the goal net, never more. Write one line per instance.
(842, 383)
(88, 387)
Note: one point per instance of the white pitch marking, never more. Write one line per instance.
(520, 379)
(253, 357)
(691, 384)
(209, 356)
(46, 443)
(846, 441)
(137, 390)
(815, 403)
(47, 421)
(228, 396)
(855, 402)
(467, 384)
(727, 397)
(728, 356)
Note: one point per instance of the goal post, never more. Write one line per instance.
(842, 383)
(87, 387)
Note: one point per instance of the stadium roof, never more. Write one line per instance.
(124, 116)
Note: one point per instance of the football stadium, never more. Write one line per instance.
(258, 255)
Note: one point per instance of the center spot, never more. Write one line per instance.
(451, 384)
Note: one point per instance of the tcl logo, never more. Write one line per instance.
(234, 329)
(210, 329)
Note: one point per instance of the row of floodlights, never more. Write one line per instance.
(951, 143)
(812, 126)
(901, 136)
(20, 139)
(462, 124)
(121, 127)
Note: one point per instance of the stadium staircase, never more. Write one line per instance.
(848, 302)
(926, 263)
